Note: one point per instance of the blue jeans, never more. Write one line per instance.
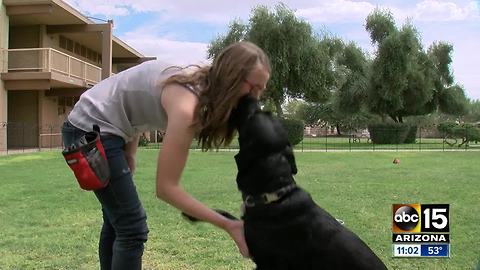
(124, 229)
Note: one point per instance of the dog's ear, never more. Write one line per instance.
(246, 107)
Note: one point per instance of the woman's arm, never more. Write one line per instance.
(131, 152)
(180, 107)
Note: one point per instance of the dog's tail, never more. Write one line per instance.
(221, 212)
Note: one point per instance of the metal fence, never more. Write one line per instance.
(323, 140)
(18, 137)
(26, 137)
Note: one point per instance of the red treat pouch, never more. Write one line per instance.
(86, 157)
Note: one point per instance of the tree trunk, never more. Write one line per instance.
(278, 108)
(394, 118)
(339, 133)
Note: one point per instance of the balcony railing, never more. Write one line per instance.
(51, 60)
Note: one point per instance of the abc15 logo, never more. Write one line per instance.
(419, 218)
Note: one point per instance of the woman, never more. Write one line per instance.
(185, 103)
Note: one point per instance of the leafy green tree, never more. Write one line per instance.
(473, 115)
(448, 96)
(301, 67)
(318, 114)
(380, 24)
(405, 80)
(237, 32)
(352, 74)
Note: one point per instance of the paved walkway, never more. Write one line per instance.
(27, 150)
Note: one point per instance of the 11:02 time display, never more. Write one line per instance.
(407, 250)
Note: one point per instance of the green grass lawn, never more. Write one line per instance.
(47, 222)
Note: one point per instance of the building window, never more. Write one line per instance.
(62, 42)
(83, 51)
(69, 45)
(79, 49)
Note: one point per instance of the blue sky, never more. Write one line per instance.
(179, 31)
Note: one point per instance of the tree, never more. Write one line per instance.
(237, 32)
(473, 115)
(380, 24)
(300, 63)
(317, 114)
(404, 79)
(448, 96)
(352, 67)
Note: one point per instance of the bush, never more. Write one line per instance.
(466, 131)
(388, 133)
(294, 128)
(446, 128)
(412, 134)
(143, 141)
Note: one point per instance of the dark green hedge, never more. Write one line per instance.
(447, 128)
(294, 128)
(412, 134)
(388, 133)
(143, 141)
(454, 130)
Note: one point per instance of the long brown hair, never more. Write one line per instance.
(218, 87)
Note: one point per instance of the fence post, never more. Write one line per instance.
(326, 139)
(51, 137)
(373, 143)
(6, 134)
(443, 142)
(466, 137)
(420, 140)
(40, 137)
(23, 137)
(396, 144)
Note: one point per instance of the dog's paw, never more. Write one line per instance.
(226, 214)
(221, 212)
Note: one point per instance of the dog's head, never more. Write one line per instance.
(265, 160)
(246, 107)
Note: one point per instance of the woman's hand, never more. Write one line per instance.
(236, 231)
(131, 161)
(130, 152)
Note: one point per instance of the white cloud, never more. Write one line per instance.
(336, 11)
(168, 50)
(433, 10)
(170, 10)
(103, 8)
(325, 11)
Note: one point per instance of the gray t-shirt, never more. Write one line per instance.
(125, 104)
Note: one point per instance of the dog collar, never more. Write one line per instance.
(266, 198)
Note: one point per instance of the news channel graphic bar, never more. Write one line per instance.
(420, 218)
(421, 250)
(408, 238)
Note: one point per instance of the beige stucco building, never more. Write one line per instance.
(49, 54)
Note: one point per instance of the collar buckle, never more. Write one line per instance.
(267, 198)
(270, 197)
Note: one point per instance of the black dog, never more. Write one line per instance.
(284, 228)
